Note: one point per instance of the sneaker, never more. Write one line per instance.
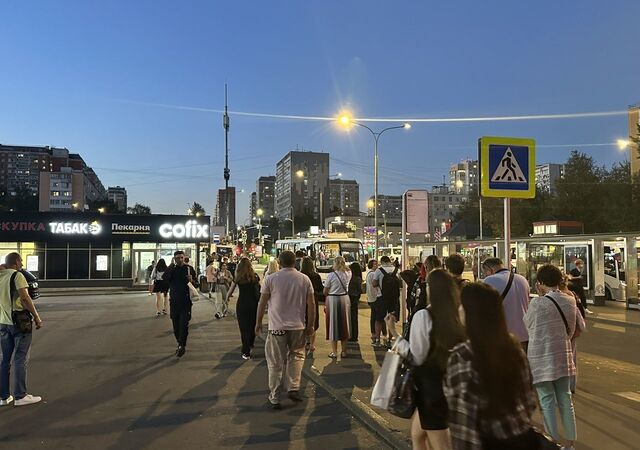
(6, 401)
(164, 311)
(158, 313)
(295, 396)
(588, 311)
(217, 315)
(246, 356)
(180, 352)
(274, 406)
(28, 400)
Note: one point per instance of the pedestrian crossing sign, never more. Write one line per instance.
(507, 167)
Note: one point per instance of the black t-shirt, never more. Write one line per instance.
(178, 290)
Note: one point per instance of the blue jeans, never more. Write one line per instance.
(552, 393)
(14, 344)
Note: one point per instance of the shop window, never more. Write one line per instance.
(100, 263)
(78, 263)
(56, 263)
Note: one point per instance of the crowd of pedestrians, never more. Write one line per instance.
(484, 354)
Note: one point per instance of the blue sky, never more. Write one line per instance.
(67, 66)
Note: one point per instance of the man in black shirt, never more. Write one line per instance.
(178, 277)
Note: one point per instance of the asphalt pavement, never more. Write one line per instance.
(106, 368)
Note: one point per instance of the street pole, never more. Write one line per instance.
(507, 232)
(375, 192)
(227, 172)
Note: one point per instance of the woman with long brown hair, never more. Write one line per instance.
(434, 331)
(247, 305)
(487, 383)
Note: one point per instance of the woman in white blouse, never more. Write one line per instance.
(337, 306)
(551, 323)
(434, 331)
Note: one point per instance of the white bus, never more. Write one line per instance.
(324, 250)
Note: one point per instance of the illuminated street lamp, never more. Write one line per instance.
(259, 213)
(346, 120)
(102, 210)
(622, 143)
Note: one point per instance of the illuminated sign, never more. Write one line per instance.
(75, 227)
(102, 263)
(189, 229)
(117, 228)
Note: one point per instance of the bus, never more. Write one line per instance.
(324, 250)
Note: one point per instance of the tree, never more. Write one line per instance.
(109, 206)
(139, 209)
(23, 200)
(196, 209)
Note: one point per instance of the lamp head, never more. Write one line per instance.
(407, 125)
(622, 143)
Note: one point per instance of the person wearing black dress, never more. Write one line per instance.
(307, 268)
(249, 285)
(355, 292)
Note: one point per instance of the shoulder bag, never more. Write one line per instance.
(564, 319)
(22, 320)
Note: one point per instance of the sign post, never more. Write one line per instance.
(507, 170)
(415, 219)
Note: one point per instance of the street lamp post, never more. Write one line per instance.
(259, 213)
(347, 120)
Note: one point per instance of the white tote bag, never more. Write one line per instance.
(194, 295)
(384, 385)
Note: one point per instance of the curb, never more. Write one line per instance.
(362, 412)
(620, 323)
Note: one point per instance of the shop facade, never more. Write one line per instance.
(94, 250)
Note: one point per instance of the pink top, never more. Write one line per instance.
(288, 290)
(211, 273)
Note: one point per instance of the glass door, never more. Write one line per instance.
(143, 259)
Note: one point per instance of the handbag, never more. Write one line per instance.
(402, 402)
(22, 320)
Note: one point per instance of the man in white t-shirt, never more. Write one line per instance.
(515, 296)
(289, 294)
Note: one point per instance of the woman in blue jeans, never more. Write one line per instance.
(551, 322)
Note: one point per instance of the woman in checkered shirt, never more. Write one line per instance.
(488, 383)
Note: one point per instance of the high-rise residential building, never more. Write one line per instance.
(266, 196)
(118, 195)
(302, 185)
(220, 217)
(463, 177)
(634, 123)
(547, 175)
(389, 205)
(344, 197)
(443, 207)
(60, 179)
(253, 207)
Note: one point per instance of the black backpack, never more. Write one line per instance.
(390, 286)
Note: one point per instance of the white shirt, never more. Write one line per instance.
(338, 286)
(417, 349)
(372, 292)
(515, 303)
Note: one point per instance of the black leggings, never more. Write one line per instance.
(246, 314)
(355, 300)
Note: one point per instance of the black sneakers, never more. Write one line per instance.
(180, 352)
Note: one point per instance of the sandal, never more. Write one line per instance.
(332, 355)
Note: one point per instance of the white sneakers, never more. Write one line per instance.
(27, 400)
(7, 401)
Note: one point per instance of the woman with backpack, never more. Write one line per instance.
(434, 331)
(355, 292)
(337, 306)
(247, 304)
(551, 323)
(488, 383)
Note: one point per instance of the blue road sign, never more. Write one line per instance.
(507, 167)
